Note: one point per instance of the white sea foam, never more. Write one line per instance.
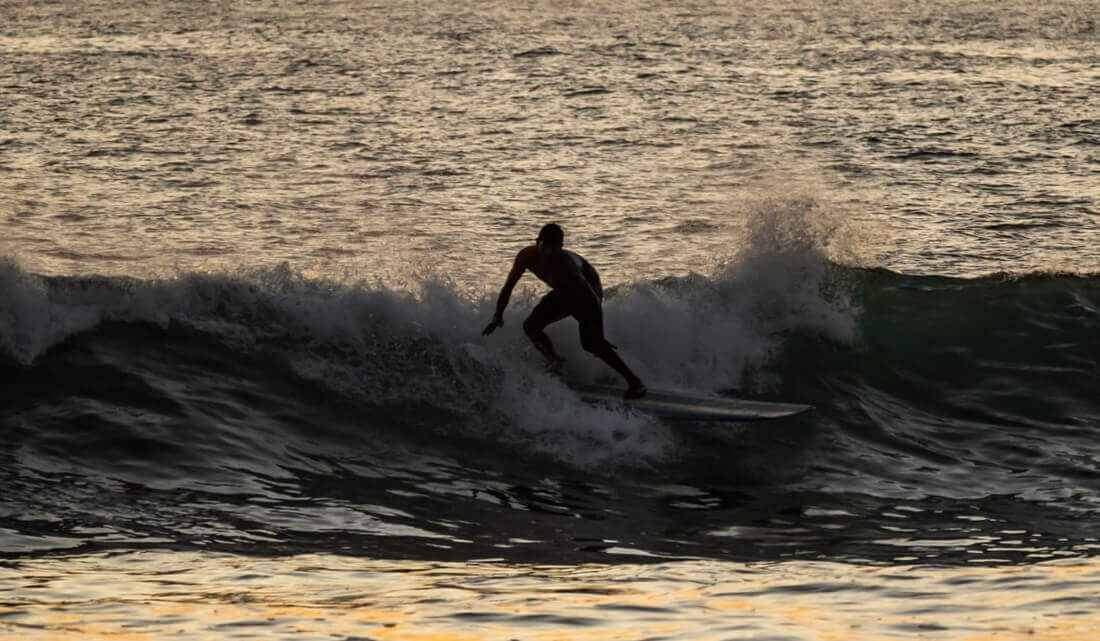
(420, 346)
(702, 333)
(30, 319)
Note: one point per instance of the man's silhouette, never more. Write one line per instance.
(576, 292)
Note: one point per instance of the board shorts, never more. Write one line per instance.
(555, 306)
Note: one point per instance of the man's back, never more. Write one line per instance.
(564, 270)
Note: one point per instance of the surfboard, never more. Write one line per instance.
(673, 405)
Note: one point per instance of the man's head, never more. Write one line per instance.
(551, 238)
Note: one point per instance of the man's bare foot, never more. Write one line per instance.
(637, 389)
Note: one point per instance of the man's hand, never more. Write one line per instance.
(497, 321)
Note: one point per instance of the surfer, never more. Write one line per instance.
(576, 292)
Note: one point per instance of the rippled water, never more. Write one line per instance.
(247, 251)
(155, 595)
(962, 137)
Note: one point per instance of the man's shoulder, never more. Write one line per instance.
(527, 256)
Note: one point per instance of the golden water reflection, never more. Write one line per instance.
(153, 595)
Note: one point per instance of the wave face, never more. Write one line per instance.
(270, 412)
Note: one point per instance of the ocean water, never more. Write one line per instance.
(247, 252)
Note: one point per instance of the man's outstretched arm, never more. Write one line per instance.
(505, 294)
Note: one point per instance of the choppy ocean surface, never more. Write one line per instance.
(247, 252)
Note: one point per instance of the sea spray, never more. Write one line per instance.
(700, 332)
(32, 319)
